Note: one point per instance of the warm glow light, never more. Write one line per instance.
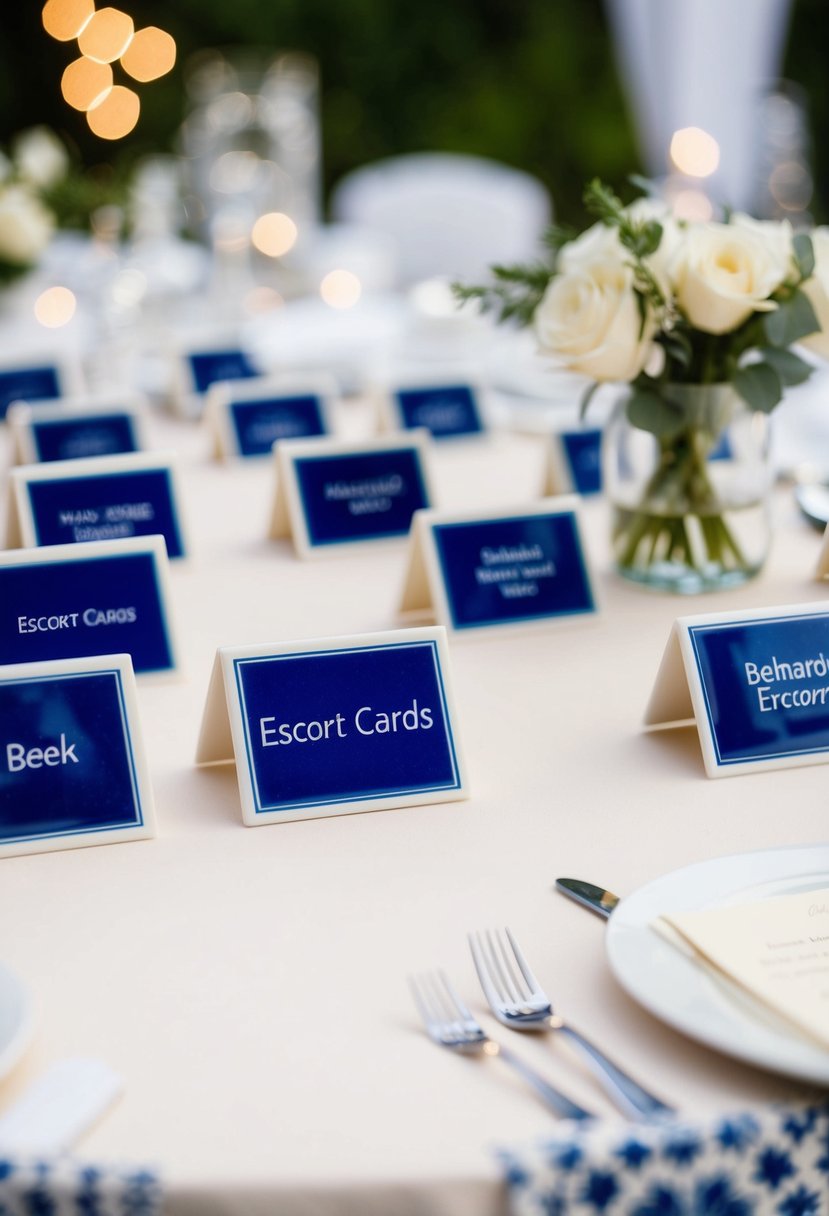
(85, 82)
(263, 299)
(692, 205)
(116, 115)
(790, 185)
(340, 289)
(274, 234)
(64, 19)
(152, 53)
(55, 307)
(694, 152)
(107, 35)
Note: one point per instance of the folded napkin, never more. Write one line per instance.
(769, 1161)
(65, 1187)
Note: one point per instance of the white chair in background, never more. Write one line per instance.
(447, 214)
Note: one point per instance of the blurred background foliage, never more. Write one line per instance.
(530, 82)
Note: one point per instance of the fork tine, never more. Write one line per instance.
(508, 956)
(488, 984)
(461, 1009)
(421, 1000)
(532, 982)
(511, 993)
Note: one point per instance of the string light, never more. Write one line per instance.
(340, 289)
(85, 82)
(274, 234)
(65, 19)
(106, 35)
(55, 307)
(116, 114)
(694, 152)
(152, 53)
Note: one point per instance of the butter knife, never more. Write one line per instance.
(588, 895)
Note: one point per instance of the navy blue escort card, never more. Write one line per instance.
(447, 411)
(45, 433)
(332, 493)
(248, 418)
(106, 597)
(105, 498)
(499, 568)
(574, 462)
(335, 725)
(198, 370)
(72, 767)
(757, 683)
(40, 380)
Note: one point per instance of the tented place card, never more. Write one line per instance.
(757, 683)
(197, 369)
(776, 949)
(332, 493)
(574, 462)
(104, 498)
(505, 567)
(73, 430)
(447, 410)
(72, 767)
(105, 597)
(247, 418)
(36, 380)
(335, 725)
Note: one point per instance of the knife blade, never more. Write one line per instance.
(597, 899)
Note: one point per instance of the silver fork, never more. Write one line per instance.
(450, 1024)
(518, 1001)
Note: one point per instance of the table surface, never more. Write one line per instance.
(250, 985)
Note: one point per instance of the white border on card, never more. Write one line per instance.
(288, 515)
(391, 417)
(224, 723)
(23, 416)
(155, 546)
(424, 590)
(679, 686)
(133, 739)
(21, 517)
(226, 393)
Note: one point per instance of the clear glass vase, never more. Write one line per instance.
(690, 509)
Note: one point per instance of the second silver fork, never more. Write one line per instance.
(517, 999)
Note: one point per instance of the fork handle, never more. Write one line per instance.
(634, 1099)
(557, 1102)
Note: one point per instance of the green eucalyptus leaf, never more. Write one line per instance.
(677, 347)
(759, 386)
(644, 184)
(804, 254)
(790, 367)
(791, 320)
(649, 411)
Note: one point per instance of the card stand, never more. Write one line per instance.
(447, 409)
(38, 428)
(195, 371)
(37, 378)
(572, 463)
(245, 418)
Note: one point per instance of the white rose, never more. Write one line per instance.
(40, 157)
(589, 318)
(595, 244)
(722, 273)
(25, 226)
(817, 289)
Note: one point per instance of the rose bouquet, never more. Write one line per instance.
(699, 320)
(38, 161)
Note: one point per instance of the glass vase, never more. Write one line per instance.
(690, 509)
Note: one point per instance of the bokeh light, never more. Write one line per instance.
(150, 54)
(107, 35)
(116, 115)
(55, 307)
(274, 234)
(85, 82)
(64, 19)
(340, 289)
(692, 205)
(694, 152)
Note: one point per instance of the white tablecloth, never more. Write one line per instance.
(250, 984)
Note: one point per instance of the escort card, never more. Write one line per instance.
(503, 567)
(38, 380)
(757, 683)
(247, 418)
(332, 493)
(574, 462)
(447, 410)
(197, 370)
(72, 767)
(73, 430)
(105, 597)
(335, 725)
(105, 498)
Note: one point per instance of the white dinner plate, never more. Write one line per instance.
(693, 999)
(16, 1022)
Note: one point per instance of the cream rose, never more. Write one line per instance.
(40, 157)
(817, 289)
(589, 318)
(722, 273)
(25, 226)
(595, 244)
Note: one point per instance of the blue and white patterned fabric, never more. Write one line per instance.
(63, 1187)
(772, 1161)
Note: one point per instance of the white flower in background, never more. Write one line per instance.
(589, 318)
(25, 226)
(40, 157)
(595, 244)
(722, 273)
(777, 235)
(817, 289)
